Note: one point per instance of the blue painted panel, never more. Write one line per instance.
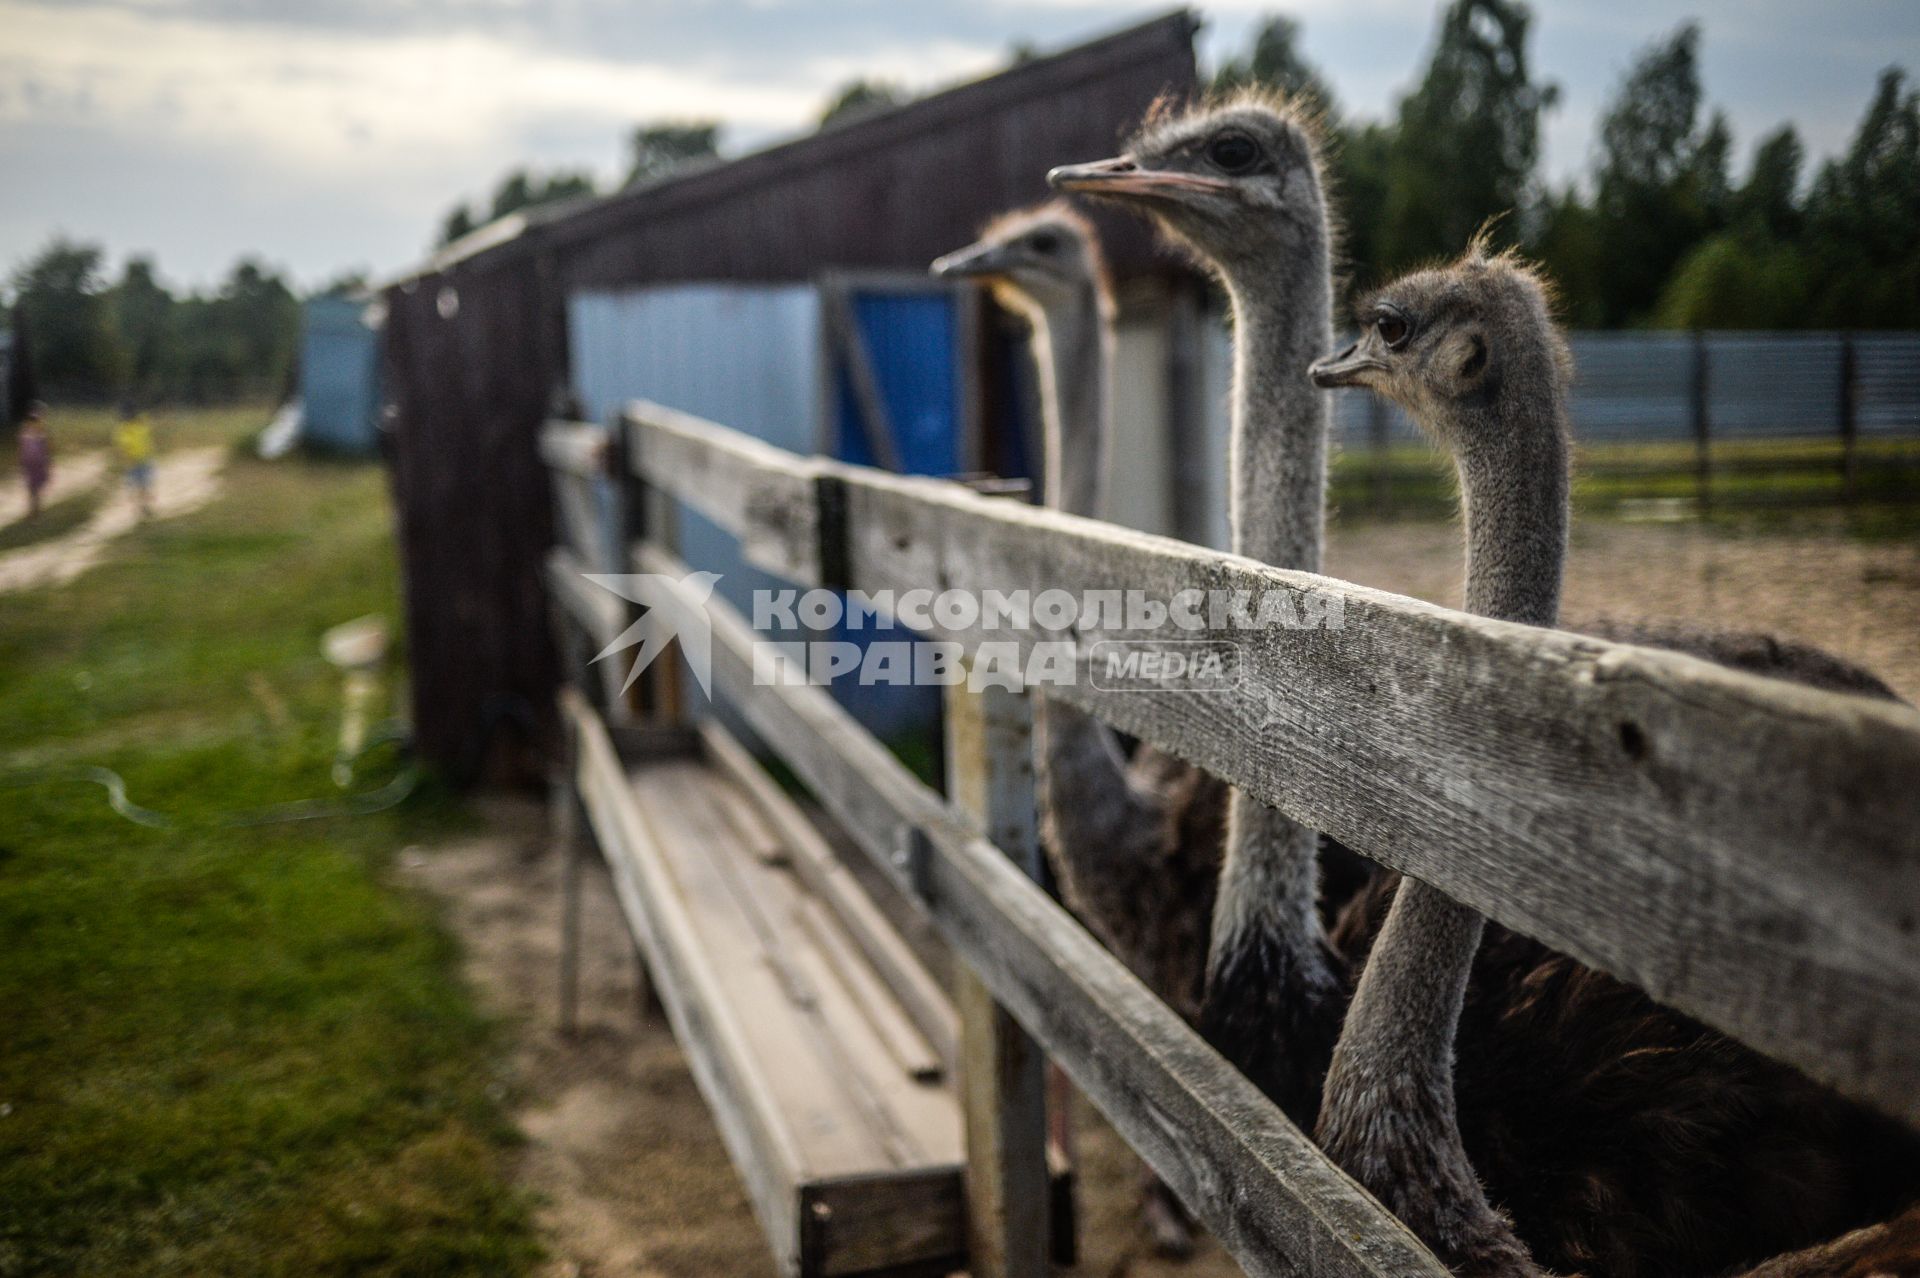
(339, 377)
(748, 357)
(913, 341)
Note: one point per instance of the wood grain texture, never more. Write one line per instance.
(793, 1058)
(1260, 1186)
(1003, 1087)
(1745, 850)
(761, 494)
(816, 863)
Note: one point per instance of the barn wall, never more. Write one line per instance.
(469, 390)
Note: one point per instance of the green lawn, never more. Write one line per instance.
(228, 1051)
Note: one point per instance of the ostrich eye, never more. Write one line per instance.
(1044, 242)
(1233, 152)
(1392, 326)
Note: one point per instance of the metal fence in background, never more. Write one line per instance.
(1837, 390)
(1653, 387)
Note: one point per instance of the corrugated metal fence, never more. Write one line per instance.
(1652, 387)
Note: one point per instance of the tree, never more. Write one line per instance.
(1863, 216)
(63, 295)
(1770, 200)
(1275, 62)
(1467, 140)
(1661, 185)
(458, 224)
(522, 189)
(143, 314)
(859, 98)
(658, 149)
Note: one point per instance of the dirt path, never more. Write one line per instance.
(71, 477)
(620, 1148)
(1860, 599)
(183, 483)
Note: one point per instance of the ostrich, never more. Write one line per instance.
(1134, 846)
(1117, 833)
(1784, 1157)
(1622, 1137)
(1239, 183)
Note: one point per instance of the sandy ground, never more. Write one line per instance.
(183, 483)
(1860, 599)
(71, 477)
(620, 1149)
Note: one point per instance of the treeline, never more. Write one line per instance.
(95, 338)
(1657, 233)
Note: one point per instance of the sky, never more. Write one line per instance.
(324, 135)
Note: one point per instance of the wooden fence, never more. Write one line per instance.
(1746, 851)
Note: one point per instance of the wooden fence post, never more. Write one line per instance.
(1002, 1073)
(1849, 421)
(653, 517)
(1702, 425)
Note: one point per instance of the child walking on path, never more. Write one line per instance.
(36, 456)
(133, 437)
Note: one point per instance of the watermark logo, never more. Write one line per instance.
(677, 609)
(1115, 640)
(1193, 665)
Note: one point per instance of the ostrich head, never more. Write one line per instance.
(1040, 258)
(1237, 181)
(1456, 344)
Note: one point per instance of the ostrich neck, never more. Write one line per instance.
(1397, 1050)
(1072, 348)
(1276, 461)
(1278, 445)
(1091, 812)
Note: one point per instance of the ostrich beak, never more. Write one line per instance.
(1348, 368)
(972, 262)
(1122, 176)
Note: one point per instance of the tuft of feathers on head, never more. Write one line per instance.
(1171, 114)
(1510, 279)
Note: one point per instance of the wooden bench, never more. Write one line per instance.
(822, 1046)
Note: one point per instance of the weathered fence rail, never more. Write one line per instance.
(1745, 850)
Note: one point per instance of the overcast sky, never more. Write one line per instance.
(325, 134)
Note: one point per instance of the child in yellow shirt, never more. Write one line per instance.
(133, 438)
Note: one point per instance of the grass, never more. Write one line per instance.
(228, 1051)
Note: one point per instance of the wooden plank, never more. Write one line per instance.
(859, 1227)
(577, 448)
(906, 1046)
(1745, 850)
(764, 988)
(912, 1124)
(706, 1027)
(601, 613)
(1003, 1084)
(1260, 1186)
(761, 494)
(820, 868)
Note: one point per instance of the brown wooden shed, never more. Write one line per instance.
(476, 344)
